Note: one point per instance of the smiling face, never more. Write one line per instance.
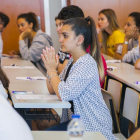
(23, 25)
(103, 21)
(68, 39)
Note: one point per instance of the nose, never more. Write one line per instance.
(20, 27)
(125, 27)
(61, 38)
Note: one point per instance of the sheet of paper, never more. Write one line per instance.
(37, 97)
(113, 61)
(31, 78)
(19, 67)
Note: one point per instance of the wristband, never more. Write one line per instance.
(126, 42)
(49, 77)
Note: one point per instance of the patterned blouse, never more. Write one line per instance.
(83, 87)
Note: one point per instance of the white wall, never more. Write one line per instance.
(51, 10)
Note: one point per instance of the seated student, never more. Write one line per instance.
(137, 63)
(112, 35)
(4, 20)
(79, 81)
(68, 12)
(12, 126)
(32, 40)
(129, 52)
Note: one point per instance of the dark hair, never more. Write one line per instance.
(30, 18)
(87, 28)
(71, 11)
(4, 18)
(136, 16)
(56, 18)
(5, 81)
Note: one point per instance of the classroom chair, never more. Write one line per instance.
(115, 89)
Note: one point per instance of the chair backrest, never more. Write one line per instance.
(105, 81)
(108, 98)
(131, 105)
(115, 88)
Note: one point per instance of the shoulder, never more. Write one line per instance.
(118, 32)
(86, 62)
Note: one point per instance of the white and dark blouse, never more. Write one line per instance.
(83, 87)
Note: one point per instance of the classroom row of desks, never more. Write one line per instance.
(124, 73)
(39, 88)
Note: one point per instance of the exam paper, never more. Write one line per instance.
(36, 97)
(19, 67)
(113, 61)
(31, 78)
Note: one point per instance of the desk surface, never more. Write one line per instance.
(107, 57)
(38, 86)
(62, 135)
(125, 73)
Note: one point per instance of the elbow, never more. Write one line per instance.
(137, 64)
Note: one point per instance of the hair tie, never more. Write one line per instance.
(87, 19)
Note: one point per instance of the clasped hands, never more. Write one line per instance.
(50, 59)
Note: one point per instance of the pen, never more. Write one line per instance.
(22, 92)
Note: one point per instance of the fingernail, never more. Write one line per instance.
(49, 49)
(44, 50)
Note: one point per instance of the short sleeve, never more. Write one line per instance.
(118, 37)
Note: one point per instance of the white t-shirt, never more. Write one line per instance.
(1, 45)
(12, 126)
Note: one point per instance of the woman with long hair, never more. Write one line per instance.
(112, 35)
(79, 82)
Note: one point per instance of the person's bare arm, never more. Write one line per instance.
(62, 66)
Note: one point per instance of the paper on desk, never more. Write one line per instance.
(36, 97)
(20, 67)
(111, 67)
(31, 78)
(113, 61)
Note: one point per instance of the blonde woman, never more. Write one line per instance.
(112, 35)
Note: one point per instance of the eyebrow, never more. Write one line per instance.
(64, 33)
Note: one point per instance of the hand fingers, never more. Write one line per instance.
(57, 59)
(53, 52)
(43, 58)
(45, 54)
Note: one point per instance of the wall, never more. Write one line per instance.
(122, 7)
(13, 8)
(51, 9)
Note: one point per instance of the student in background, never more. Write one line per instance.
(12, 126)
(129, 51)
(69, 12)
(31, 40)
(4, 20)
(112, 35)
(79, 81)
(137, 63)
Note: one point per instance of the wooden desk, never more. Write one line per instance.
(125, 73)
(38, 86)
(62, 135)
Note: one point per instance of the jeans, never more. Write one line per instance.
(59, 127)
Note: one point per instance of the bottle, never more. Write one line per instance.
(75, 128)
